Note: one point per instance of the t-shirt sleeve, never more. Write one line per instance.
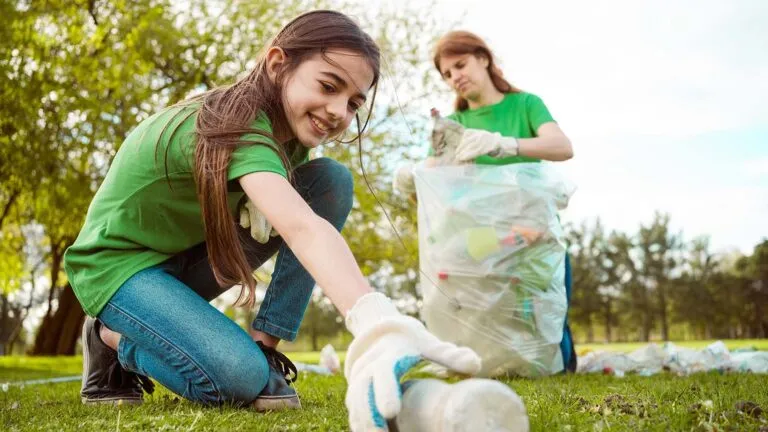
(248, 159)
(257, 157)
(538, 114)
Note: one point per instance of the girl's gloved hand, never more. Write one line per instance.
(386, 345)
(477, 142)
(250, 216)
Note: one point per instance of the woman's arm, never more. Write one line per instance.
(550, 144)
(314, 241)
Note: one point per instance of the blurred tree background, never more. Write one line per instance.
(653, 284)
(79, 75)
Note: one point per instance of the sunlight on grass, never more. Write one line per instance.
(700, 402)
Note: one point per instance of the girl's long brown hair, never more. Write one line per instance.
(463, 42)
(226, 114)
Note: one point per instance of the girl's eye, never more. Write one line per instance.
(354, 106)
(327, 87)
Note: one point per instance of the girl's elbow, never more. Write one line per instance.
(298, 227)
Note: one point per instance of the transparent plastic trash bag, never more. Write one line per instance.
(492, 255)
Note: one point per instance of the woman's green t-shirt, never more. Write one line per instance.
(518, 115)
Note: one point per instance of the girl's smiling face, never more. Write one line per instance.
(323, 94)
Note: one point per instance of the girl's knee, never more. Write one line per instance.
(241, 378)
(338, 178)
(334, 186)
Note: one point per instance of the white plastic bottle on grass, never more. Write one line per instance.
(476, 405)
(330, 359)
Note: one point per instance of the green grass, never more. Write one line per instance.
(576, 403)
(29, 368)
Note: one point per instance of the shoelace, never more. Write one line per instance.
(117, 377)
(279, 361)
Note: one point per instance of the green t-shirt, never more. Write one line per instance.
(518, 115)
(139, 217)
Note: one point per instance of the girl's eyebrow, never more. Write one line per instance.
(342, 83)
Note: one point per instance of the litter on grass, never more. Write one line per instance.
(653, 358)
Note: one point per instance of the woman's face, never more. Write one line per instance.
(322, 95)
(467, 74)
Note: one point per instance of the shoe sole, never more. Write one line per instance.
(485, 405)
(86, 353)
(266, 403)
(111, 401)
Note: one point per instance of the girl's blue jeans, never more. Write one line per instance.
(171, 332)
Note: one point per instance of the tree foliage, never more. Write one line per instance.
(653, 284)
(78, 76)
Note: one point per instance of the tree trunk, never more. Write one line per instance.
(647, 311)
(8, 205)
(56, 258)
(4, 320)
(647, 325)
(314, 339)
(760, 333)
(608, 320)
(590, 330)
(59, 332)
(663, 312)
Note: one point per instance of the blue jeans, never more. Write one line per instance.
(171, 333)
(566, 345)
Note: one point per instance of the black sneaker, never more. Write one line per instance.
(278, 394)
(104, 379)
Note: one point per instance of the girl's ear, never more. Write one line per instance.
(276, 59)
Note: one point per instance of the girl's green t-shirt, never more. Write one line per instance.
(518, 115)
(147, 210)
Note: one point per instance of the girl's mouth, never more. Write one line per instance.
(320, 126)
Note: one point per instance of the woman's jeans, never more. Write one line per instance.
(567, 344)
(171, 333)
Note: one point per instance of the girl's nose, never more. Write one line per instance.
(336, 109)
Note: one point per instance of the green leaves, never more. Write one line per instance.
(655, 284)
(77, 77)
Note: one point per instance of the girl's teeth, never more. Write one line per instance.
(319, 125)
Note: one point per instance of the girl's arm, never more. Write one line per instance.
(314, 241)
(550, 144)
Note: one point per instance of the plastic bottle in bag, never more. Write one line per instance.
(446, 136)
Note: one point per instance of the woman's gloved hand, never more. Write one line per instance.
(403, 180)
(476, 142)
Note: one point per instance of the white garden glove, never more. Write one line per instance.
(250, 216)
(386, 345)
(477, 142)
(403, 180)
